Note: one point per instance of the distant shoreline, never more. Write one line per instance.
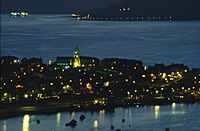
(52, 109)
(135, 20)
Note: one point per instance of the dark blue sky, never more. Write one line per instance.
(53, 6)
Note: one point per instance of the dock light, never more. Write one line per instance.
(23, 13)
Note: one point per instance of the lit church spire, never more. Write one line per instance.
(77, 61)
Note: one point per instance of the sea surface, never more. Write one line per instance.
(176, 117)
(49, 36)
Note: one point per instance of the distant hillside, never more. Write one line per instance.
(147, 10)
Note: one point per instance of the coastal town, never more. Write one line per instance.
(88, 83)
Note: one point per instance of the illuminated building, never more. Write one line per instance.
(63, 63)
(77, 61)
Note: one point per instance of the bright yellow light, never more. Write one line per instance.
(5, 94)
(26, 96)
(89, 86)
(106, 84)
(67, 87)
(15, 61)
(77, 61)
(26, 120)
(96, 101)
(164, 75)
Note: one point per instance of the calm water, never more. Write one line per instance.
(48, 36)
(180, 117)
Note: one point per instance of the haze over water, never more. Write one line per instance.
(49, 36)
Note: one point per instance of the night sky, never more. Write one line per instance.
(53, 6)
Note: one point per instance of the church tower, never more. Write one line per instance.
(77, 61)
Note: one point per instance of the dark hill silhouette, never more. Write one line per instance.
(148, 9)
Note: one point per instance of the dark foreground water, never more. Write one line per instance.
(177, 117)
(48, 36)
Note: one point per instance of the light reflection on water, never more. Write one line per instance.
(4, 126)
(174, 108)
(25, 123)
(157, 111)
(156, 118)
(58, 119)
(72, 115)
(95, 125)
